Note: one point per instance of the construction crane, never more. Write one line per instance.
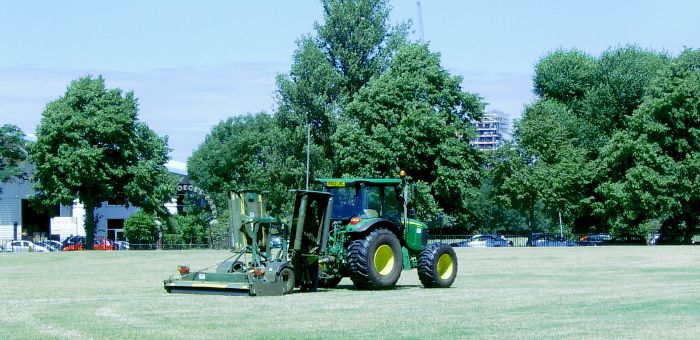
(420, 23)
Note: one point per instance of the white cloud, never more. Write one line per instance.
(183, 103)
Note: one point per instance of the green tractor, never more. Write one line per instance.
(371, 238)
(355, 228)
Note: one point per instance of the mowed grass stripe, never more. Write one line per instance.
(590, 292)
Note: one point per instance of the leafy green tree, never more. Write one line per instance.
(516, 184)
(357, 39)
(622, 78)
(652, 167)
(353, 44)
(90, 146)
(564, 75)
(248, 152)
(141, 228)
(584, 100)
(415, 117)
(13, 149)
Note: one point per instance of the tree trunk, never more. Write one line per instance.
(90, 225)
(532, 214)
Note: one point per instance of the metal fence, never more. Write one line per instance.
(556, 240)
(521, 240)
(511, 240)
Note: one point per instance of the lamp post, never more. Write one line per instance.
(308, 142)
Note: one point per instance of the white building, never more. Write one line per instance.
(490, 130)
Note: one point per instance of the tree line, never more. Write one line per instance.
(610, 143)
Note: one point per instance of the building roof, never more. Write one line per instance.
(176, 167)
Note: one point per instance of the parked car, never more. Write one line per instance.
(483, 241)
(51, 245)
(594, 239)
(461, 243)
(549, 240)
(626, 240)
(276, 241)
(667, 240)
(103, 244)
(74, 243)
(121, 245)
(18, 246)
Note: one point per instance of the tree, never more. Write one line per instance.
(141, 228)
(622, 78)
(514, 183)
(247, 152)
(584, 100)
(652, 166)
(564, 75)
(90, 146)
(415, 117)
(353, 44)
(13, 149)
(357, 40)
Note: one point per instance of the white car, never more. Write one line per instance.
(24, 246)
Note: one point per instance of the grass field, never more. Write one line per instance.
(586, 292)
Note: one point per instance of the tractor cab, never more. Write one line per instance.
(357, 199)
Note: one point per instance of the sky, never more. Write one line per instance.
(192, 64)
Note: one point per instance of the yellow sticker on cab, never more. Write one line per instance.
(335, 184)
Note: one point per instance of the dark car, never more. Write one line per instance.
(74, 243)
(483, 241)
(667, 240)
(549, 240)
(626, 240)
(460, 243)
(594, 239)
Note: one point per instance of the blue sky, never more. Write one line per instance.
(194, 63)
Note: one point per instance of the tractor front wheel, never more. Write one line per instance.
(437, 266)
(375, 261)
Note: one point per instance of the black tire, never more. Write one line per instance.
(437, 266)
(330, 282)
(287, 276)
(375, 261)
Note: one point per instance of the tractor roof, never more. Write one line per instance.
(341, 182)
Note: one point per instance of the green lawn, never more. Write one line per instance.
(586, 292)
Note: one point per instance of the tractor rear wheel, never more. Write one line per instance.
(287, 276)
(437, 266)
(375, 261)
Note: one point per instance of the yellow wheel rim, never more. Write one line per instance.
(384, 260)
(445, 266)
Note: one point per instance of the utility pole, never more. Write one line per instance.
(308, 141)
(420, 23)
(561, 229)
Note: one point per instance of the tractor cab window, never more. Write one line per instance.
(381, 201)
(343, 203)
(365, 202)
